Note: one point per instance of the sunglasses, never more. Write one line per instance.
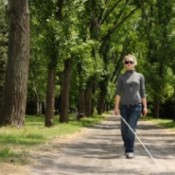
(129, 62)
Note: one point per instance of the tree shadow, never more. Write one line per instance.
(103, 144)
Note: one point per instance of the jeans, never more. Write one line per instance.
(131, 114)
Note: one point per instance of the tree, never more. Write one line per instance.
(83, 46)
(3, 43)
(15, 88)
(65, 88)
(52, 65)
(157, 16)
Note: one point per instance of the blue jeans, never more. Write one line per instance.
(131, 114)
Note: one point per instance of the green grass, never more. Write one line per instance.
(15, 143)
(166, 123)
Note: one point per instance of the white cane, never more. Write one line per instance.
(138, 138)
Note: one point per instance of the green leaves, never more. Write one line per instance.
(97, 34)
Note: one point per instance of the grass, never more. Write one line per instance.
(166, 123)
(15, 143)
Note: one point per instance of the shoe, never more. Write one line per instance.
(129, 155)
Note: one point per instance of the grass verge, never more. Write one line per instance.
(166, 123)
(15, 143)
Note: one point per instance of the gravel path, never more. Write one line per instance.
(99, 151)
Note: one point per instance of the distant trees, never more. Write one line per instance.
(158, 18)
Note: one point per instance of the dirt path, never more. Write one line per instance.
(99, 151)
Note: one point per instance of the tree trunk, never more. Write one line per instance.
(174, 106)
(81, 96)
(103, 84)
(156, 108)
(88, 98)
(15, 87)
(81, 103)
(101, 103)
(65, 87)
(50, 99)
(39, 107)
(50, 96)
(88, 102)
(38, 103)
(3, 45)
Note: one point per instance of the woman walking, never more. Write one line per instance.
(130, 101)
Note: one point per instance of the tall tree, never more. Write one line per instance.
(3, 43)
(157, 31)
(73, 44)
(53, 59)
(65, 88)
(15, 88)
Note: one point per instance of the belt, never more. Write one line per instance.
(131, 105)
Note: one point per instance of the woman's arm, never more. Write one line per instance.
(143, 96)
(144, 103)
(117, 97)
(117, 102)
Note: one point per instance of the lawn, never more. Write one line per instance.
(166, 123)
(15, 143)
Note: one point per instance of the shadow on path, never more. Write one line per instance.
(100, 151)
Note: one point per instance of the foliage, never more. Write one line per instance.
(134, 35)
(96, 35)
(155, 29)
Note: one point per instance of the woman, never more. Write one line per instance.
(130, 95)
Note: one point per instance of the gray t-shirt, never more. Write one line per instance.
(131, 87)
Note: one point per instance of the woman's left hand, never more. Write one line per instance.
(145, 111)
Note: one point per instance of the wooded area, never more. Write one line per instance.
(76, 49)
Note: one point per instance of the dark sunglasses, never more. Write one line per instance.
(129, 62)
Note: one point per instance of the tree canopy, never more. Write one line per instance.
(76, 54)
